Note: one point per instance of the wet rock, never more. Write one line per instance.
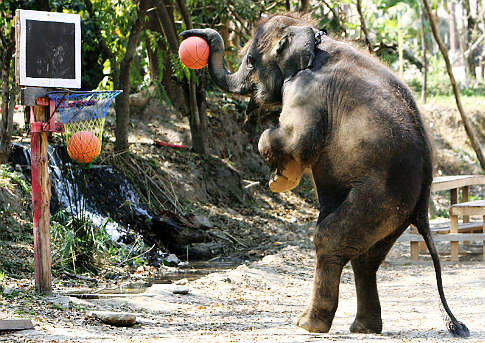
(114, 318)
(171, 259)
(183, 289)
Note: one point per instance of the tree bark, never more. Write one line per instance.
(468, 128)
(470, 25)
(153, 61)
(122, 104)
(8, 91)
(304, 6)
(453, 29)
(424, 84)
(363, 27)
(198, 118)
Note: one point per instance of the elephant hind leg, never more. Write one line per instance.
(365, 266)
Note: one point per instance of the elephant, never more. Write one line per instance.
(355, 127)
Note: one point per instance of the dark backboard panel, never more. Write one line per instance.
(50, 49)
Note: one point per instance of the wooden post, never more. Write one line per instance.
(454, 244)
(483, 243)
(465, 196)
(41, 196)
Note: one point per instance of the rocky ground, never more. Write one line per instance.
(261, 301)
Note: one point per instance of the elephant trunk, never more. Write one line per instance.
(230, 82)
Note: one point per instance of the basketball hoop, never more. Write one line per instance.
(83, 111)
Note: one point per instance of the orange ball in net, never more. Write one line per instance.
(194, 52)
(83, 147)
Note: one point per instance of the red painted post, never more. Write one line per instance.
(41, 193)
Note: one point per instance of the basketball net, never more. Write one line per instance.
(83, 111)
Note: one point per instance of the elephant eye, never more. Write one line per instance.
(250, 62)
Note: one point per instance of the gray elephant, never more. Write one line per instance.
(352, 123)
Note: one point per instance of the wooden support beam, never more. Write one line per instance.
(14, 325)
(41, 196)
(453, 196)
(465, 196)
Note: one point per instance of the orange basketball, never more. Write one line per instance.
(83, 146)
(194, 52)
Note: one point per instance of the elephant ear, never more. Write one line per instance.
(295, 51)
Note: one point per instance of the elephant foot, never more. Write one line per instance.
(287, 179)
(366, 326)
(312, 322)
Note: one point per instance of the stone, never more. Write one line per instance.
(172, 259)
(182, 282)
(201, 220)
(114, 318)
(183, 290)
(60, 301)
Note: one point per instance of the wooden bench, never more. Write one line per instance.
(454, 232)
(466, 209)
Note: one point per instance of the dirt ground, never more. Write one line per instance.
(261, 301)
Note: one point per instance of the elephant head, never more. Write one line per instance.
(280, 47)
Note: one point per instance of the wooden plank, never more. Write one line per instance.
(453, 196)
(454, 251)
(414, 251)
(13, 325)
(453, 224)
(465, 191)
(451, 237)
(472, 208)
(444, 183)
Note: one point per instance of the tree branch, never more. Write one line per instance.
(166, 24)
(102, 42)
(185, 14)
(363, 27)
(468, 128)
(336, 17)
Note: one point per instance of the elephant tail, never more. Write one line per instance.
(456, 328)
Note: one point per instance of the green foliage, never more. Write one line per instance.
(81, 246)
(14, 178)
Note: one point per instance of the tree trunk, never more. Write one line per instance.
(453, 29)
(198, 115)
(363, 27)
(424, 85)
(304, 6)
(469, 130)
(122, 104)
(153, 61)
(469, 23)
(8, 95)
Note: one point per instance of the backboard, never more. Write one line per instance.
(48, 49)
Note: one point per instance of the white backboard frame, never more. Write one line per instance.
(22, 79)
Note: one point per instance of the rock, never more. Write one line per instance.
(8, 290)
(60, 301)
(182, 282)
(184, 289)
(203, 221)
(114, 318)
(172, 259)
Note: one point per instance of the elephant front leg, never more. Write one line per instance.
(319, 314)
(287, 172)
